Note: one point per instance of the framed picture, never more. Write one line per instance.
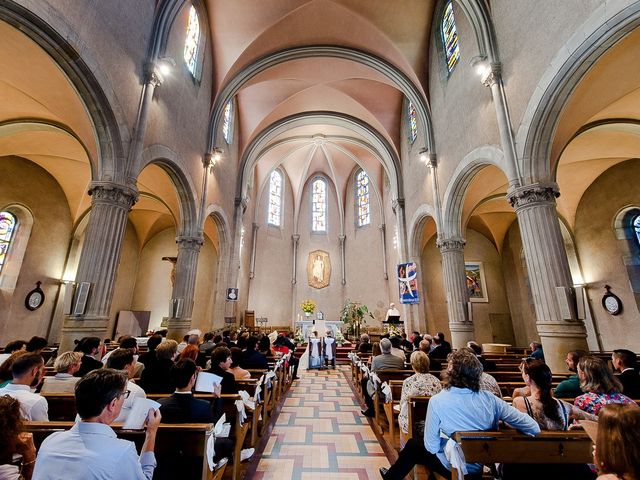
(476, 284)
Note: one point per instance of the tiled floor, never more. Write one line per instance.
(320, 434)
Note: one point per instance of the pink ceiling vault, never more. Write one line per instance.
(244, 31)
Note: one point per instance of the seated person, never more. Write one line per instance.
(404, 343)
(220, 364)
(155, 377)
(440, 348)
(251, 358)
(28, 371)
(617, 451)
(208, 344)
(570, 388)
(149, 356)
(90, 347)
(239, 373)
(385, 361)
(600, 385)
(124, 361)
(461, 406)
(487, 365)
(6, 377)
(550, 414)
(625, 362)
(36, 344)
(91, 449)
(183, 344)
(286, 341)
(66, 365)
(14, 441)
(264, 347)
(128, 342)
(536, 351)
(396, 348)
(420, 383)
(365, 344)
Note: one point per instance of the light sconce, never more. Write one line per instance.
(165, 65)
(423, 155)
(216, 155)
(482, 67)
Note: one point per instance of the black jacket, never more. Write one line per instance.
(155, 377)
(185, 408)
(88, 364)
(228, 380)
(630, 380)
(254, 359)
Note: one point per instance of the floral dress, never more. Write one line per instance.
(417, 384)
(593, 402)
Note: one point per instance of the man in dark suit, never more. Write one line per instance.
(220, 364)
(487, 365)
(252, 358)
(442, 348)
(625, 362)
(90, 348)
(385, 361)
(149, 357)
(156, 377)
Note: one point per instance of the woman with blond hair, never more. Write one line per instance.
(66, 365)
(617, 450)
(599, 384)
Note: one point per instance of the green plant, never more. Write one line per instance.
(353, 315)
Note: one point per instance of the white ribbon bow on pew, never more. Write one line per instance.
(241, 411)
(268, 378)
(247, 401)
(256, 394)
(386, 389)
(375, 378)
(365, 370)
(454, 454)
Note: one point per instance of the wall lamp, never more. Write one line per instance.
(428, 160)
(212, 158)
(482, 67)
(160, 69)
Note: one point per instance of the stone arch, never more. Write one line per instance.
(219, 217)
(608, 23)
(464, 173)
(86, 76)
(168, 160)
(420, 216)
(412, 91)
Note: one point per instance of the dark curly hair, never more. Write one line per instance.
(464, 370)
(540, 374)
(10, 426)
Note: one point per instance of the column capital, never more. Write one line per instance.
(190, 242)
(397, 203)
(341, 239)
(113, 194)
(382, 227)
(241, 202)
(451, 244)
(537, 193)
(493, 76)
(296, 238)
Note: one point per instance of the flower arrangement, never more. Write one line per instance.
(308, 306)
(339, 337)
(394, 331)
(298, 336)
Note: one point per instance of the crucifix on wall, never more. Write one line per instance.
(174, 261)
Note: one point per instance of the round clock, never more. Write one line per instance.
(611, 303)
(35, 298)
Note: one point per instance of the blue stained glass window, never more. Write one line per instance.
(319, 205)
(8, 224)
(274, 214)
(362, 199)
(636, 228)
(450, 37)
(226, 123)
(192, 41)
(413, 123)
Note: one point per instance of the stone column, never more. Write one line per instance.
(383, 238)
(231, 307)
(184, 287)
(452, 251)
(254, 241)
(99, 259)
(295, 238)
(550, 278)
(343, 266)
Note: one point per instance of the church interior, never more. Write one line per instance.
(214, 164)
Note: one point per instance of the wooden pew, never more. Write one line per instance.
(392, 409)
(190, 439)
(378, 396)
(508, 446)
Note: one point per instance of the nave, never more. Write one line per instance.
(320, 433)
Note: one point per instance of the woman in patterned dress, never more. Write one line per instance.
(599, 384)
(420, 383)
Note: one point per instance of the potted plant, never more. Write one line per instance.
(353, 315)
(308, 307)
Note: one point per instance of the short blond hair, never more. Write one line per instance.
(66, 360)
(420, 361)
(167, 349)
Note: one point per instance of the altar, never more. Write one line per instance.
(321, 326)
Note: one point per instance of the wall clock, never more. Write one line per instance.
(35, 298)
(610, 302)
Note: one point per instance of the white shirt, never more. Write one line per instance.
(136, 391)
(33, 407)
(398, 352)
(392, 312)
(60, 383)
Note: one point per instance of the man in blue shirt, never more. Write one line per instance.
(460, 407)
(91, 450)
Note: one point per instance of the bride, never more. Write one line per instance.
(312, 356)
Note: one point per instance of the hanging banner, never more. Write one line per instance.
(408, 283)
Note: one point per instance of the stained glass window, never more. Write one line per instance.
(450, 37)
(275, 199)
(636, 228)
(7, 227)
(192, 41)
(319, 205)
(362, 198)
(226, 123)
(413, 123)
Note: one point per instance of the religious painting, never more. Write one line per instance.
(476, 285)
(408, 283)
(318, 269)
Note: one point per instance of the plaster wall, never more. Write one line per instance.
(25, 183)
(601, 253)
(125, 276)
(517, 289)
(153, 280)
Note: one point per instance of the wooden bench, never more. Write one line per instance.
(379, 398)
(392, 410)
(512, 447)
(189, 439)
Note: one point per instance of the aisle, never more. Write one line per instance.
(320, 433)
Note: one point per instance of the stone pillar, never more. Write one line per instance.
(295, 238)
(99, 259)
(254, 241)
(559, 329)
(457, 295)
(231, 307)
(184, 286)
(343, 266)
(383, 238)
